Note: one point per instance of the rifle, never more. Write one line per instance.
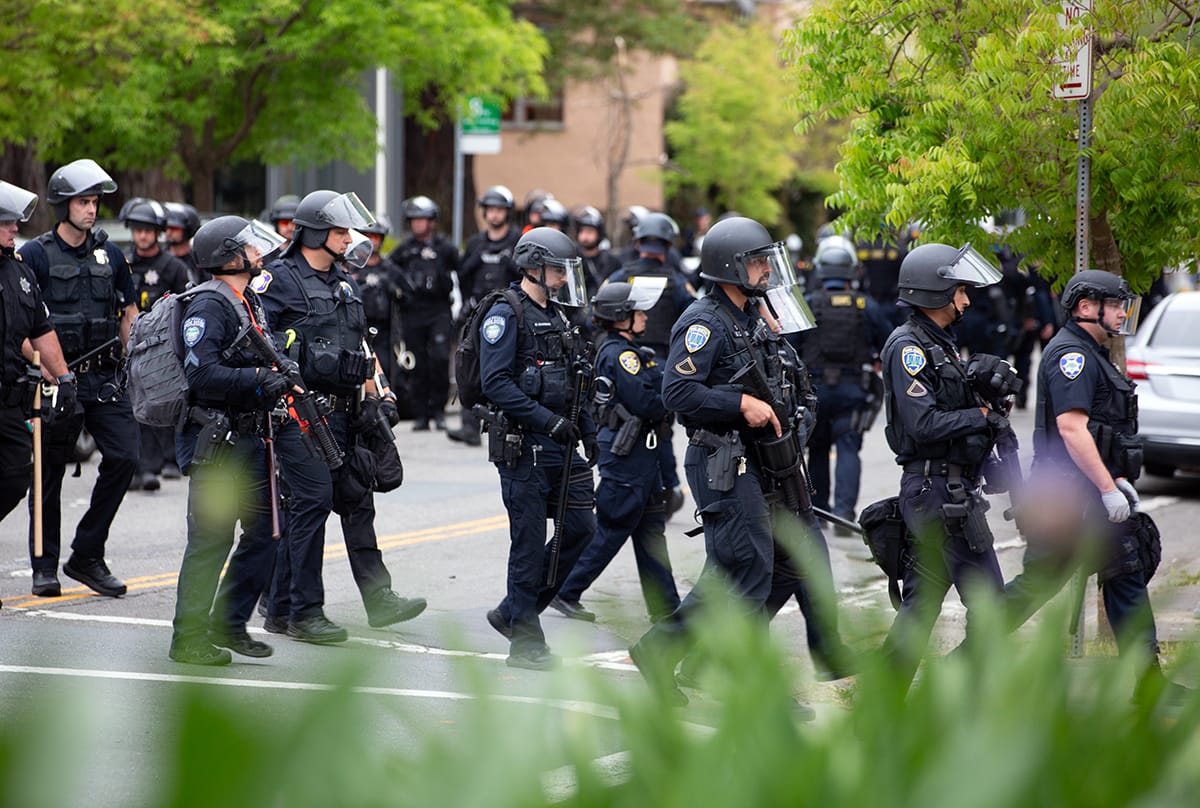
(92, 354)
(582, 370)
(307, 409)
(834, 519)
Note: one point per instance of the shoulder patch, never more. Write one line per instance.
(686, 368)
(696, 337)
(260, 283)
(913, 359)
(630, 361)
(916, 389)
(493, 329)
(193, 330)
(1071, 364)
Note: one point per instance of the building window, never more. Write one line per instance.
(534, 113)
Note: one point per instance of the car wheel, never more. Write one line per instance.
(1160, 470)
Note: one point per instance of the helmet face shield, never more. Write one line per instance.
(1131, 307)
(573, 290)
(261, 237)
(16, 204)
(971, 268)
(359, 251)
(347, 210)
(644, 292)
(774, 260)
(789, 309)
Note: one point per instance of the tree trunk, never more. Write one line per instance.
(202, 175)
(151, 183)
(19, 165)
(429, 171)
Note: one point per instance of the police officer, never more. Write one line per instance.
(630, 500)
(231, 391)
(378, 281)
(554, 214)
(598, 263)
(487, 265)
(182, 223)
(881, 257)
(282, 215)
(89, 290)
(155, 273)
(732, 381)
(941, 434)
(315, 305)
(841, 354)
(529, 369)
(23, 316)
(1086, 457)
(428, 264)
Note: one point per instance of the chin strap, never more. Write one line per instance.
(1097, 321)
(77, 227)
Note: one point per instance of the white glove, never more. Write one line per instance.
(1116, 504)
(1126, 488)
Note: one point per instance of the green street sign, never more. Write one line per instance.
(481, 116)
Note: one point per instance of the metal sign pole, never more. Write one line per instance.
(456, 237)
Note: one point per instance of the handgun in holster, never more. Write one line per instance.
(725, 458)
(504, 442)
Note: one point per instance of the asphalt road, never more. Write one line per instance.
(444, 537)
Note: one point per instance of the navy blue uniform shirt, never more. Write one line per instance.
(34, 256)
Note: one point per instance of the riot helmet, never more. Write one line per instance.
(739, 252)
(554, 213)
(381, 227)
(588, 216)
(656, 226)
(183, 216)
(1104, 288)
(79, 178)
(16, 204)
(228, 238)
(930, 274)
(323, 210)
(283, 209)
(498, 196)
(633, 215)
(420, 207)
(144, 212)
(836, 259)
(617, 301)
(544, 247)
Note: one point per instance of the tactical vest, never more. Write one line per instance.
(331, 356)
(660, 319)
(1112, 416)
(496, 267)
(840, 339)
(375, 286)
(150, 289)
(953, 392)
(81, 295)
(427, 277)
(546, 351)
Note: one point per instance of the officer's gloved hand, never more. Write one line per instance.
(271, 385)
(591, 448)
(68, 394)
(368, 409)
(289, 368)
(391, 412)
(1117, 505)
(563, 431)
(1131, 494)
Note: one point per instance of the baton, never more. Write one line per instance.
(35, 424)
(834, 519)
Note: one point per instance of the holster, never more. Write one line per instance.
(968, 513)
(725, 453)
(629, 430)
(214, 437)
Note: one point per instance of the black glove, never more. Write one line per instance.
(591, 448)
(387, 406)
(563, 431)
(368, 408)
(68, 394)
(289, 368)
(998, 423)
(992, 376)
(270, 386)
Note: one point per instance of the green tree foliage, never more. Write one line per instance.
(280, 80)
(954, 119)
(734, 132)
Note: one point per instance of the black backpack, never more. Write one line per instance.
(466, 357)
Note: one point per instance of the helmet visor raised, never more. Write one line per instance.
(644, 292)
(16, 204)
(347, 210)
(261, 237)
(564, 281)
(971, 268)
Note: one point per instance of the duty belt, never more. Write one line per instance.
(340, 403)
(938, 468)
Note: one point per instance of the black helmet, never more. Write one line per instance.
(283, 208)
(420, 207)
(182, 215)
(497, 196)
(588, 216)
(80, 178)
(836, 259)
(1098, 285)
(16, 204)
(554, 212)
(324, 210)
(616, 301)
(930, 273)
(225, 238)
(545, 246)
(633, 215)
(381, 227)
(656, 225)
(145, 212)
(725, 246)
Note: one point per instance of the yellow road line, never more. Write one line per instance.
(167, 579)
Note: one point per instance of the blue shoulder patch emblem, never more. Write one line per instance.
(261, 282)
(493, 329)
(913, 359)
(696, 337)
(1071, 364)
(630, 361)
(193, 330)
